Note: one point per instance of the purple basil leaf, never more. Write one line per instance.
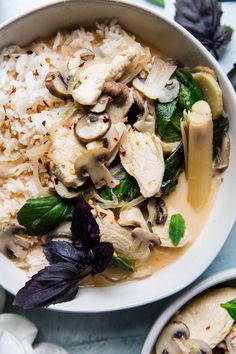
(202, 18)
(63, 251)
(84, 228)
(103, 256)
(232, 76)
(54, 284)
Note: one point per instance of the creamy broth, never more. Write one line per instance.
(162, 257)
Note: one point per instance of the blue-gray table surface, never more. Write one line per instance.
(123, 331)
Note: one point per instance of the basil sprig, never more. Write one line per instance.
(230, 306)
(176, 228)
(41, 215)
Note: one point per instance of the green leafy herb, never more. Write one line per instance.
(167, 121)
(230, 306)
(160, 3)
(190, 92)
(126, 190)
(202, 18)
(220, 126)
(232, 76)
(176, 228)
(120, 262)
(41, 215)
(174, 165)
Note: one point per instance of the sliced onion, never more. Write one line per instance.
(41, 190)
(65, 116)
(37, 151)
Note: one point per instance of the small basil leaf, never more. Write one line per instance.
(202, 18)
(230, 306)
(232, 76)
(176, 228)
(174, 166)
(220, 126)
(126, 190)
(120, 262)
(167, 125)
(160, 3)
(84, 227)
(53, 284)
(41, 215)
(63, 251)
(102, 257)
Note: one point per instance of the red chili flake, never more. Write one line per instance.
(30, 119)
(45, 103)
(102, 215)
(122, 151)
(116, 139)
(35, 73)
(208, 327)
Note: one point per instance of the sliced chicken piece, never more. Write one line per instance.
(132, 217)
(121, 238)
(92, 79)
(65, 149)
(163, 232)
(142, 157)
(205, 317)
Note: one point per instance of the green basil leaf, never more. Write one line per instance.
(176, 228)
(41, 215)
(126, 190)
(167, 121)
(174, 166)
(120, 262)
(160, 3)
(230, 306)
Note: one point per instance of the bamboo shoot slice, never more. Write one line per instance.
(198, 128)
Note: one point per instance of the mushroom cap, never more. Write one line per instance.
(146, 236)
(157, 211)
(56, 85)
(92, 126)
(166, 342)
(169, 92)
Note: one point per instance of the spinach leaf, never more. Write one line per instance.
(127, 189)
(220, 126)
(230, 306)
(202, 18)
(176, 228)
(174, 165)
(120, 262)
(189, 92)
(232, 76)
(167, 121)
(41, 215)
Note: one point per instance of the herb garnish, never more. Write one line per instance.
(41, 215)
(70, 262)
(230, 306)
(202, 18)
(176, 228)
(120, 262)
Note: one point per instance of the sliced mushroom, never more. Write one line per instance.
(116, 90)
(92, 126)
(62, 231)
(56, 85)
(147, 120)
(101, 104)
(14, 242)
(223, 157)
(79, 58)
(194, 346)
(132, 217)
(146, 236)
(138, 99)
(92, 163)
(157, 211)
(169, 92)
(65, 192)
(166, 342)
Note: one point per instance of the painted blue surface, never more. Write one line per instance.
(121, 332)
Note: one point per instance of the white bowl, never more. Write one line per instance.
(173, 40)
(227, 278)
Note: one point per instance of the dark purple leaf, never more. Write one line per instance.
(103, 256)
(202, 18)
(232, 76)
(53, 284)
(84, 228)
(63, 251)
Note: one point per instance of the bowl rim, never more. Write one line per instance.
(182, 299)
(154, 12)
